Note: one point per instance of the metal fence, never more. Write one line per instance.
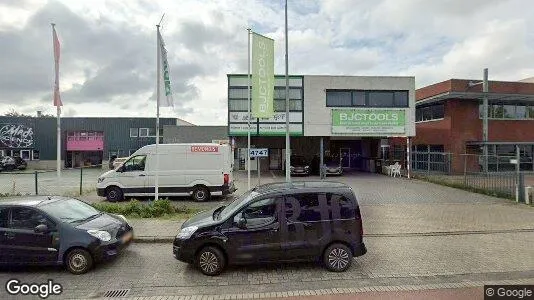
(73, 182)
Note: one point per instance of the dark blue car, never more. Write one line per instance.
(40, 230)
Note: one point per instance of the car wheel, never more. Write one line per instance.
(211, 261)
(114, 194)
(337, 258)
(201, 193)
(79, 261)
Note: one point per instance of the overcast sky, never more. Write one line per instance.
(109, 47)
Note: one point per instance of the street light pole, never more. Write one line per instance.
(288, 148)
(485, 89)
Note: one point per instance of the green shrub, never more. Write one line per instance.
(136, 209)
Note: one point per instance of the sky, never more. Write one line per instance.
(108, 48)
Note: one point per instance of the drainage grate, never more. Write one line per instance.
(116, 293)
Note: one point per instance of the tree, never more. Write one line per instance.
(13, 113)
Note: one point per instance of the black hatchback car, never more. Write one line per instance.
(41, 230)
(302, 221)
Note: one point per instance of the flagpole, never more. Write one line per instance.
(288, 148)
(248, 116)
(156, 182)
(58, 112)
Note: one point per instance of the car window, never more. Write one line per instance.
(3, 217)
(340, 207)
(70, 210)
(303, 207)
(136, 163)
(260, 213)
(27, 218)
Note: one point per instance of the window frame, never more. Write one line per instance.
(136, 132)
(366, 95)
(147, 132)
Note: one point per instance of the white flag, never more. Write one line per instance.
(165, 80)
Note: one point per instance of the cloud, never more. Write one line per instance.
(109, 52)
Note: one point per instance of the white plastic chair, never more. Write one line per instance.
(389, 170)
(396, 170)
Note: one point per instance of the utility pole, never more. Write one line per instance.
(288, 147)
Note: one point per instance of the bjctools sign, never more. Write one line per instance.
(204, 149)
(368, 121)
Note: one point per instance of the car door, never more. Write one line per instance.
(304, 230)
(27, 245)
(258, 240)
(133, 175)
(5, 248)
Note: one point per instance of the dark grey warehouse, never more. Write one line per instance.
(84, 141)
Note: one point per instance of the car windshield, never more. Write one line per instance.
(227, 211)
(70, 210)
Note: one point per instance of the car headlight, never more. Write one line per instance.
(100, 179)
(122, 218)
(187, 232)
(100, 234)
(306, 167)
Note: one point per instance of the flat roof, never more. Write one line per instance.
(476, 96)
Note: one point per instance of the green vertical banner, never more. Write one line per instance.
(262, 76)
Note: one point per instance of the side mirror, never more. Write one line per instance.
(41, 228)
(120, 169)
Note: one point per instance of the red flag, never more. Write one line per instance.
(57, 97)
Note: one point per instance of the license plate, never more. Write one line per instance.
(127, 237)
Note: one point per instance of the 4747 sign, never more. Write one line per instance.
(259, 152)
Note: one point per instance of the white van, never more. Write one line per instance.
(198, 170)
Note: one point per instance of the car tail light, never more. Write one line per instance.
(226, 178)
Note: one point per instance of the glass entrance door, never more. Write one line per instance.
(344, 154)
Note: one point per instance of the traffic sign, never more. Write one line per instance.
(259, 152)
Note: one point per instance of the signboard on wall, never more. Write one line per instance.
(16, 136)
(279, 117)
(368, 121)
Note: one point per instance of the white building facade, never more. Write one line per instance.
(351, 116)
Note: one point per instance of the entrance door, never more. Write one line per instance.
(344, 154)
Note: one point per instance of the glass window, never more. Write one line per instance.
(279, 105)
(136, 163)
(303, 207)
(358, 98)
(421, 148)
(507, 150)
(401, 99)
(143, 132)
(237, 105)
(27, 218)
(134, 132)
(521, 112)
(381, 99)
(238, 81)
(260, 213)
(4, 215)
(280, 93)
(418, 114)
(151, 131)
(25, 154)
(497, 111)
(509, 111)
(530, 112)
(35, 155)
(426, 113)
(398, 152)
(237, 93)
(438, 111)
(340, 207)
(295, 104)
(338, 98)
(293, 81)
(70, 210)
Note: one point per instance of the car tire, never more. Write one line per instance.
(78, 261)
(337, 258)
(114, 194)
(201, 193)
(211, 261)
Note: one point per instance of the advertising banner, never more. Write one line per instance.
(368, 121)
